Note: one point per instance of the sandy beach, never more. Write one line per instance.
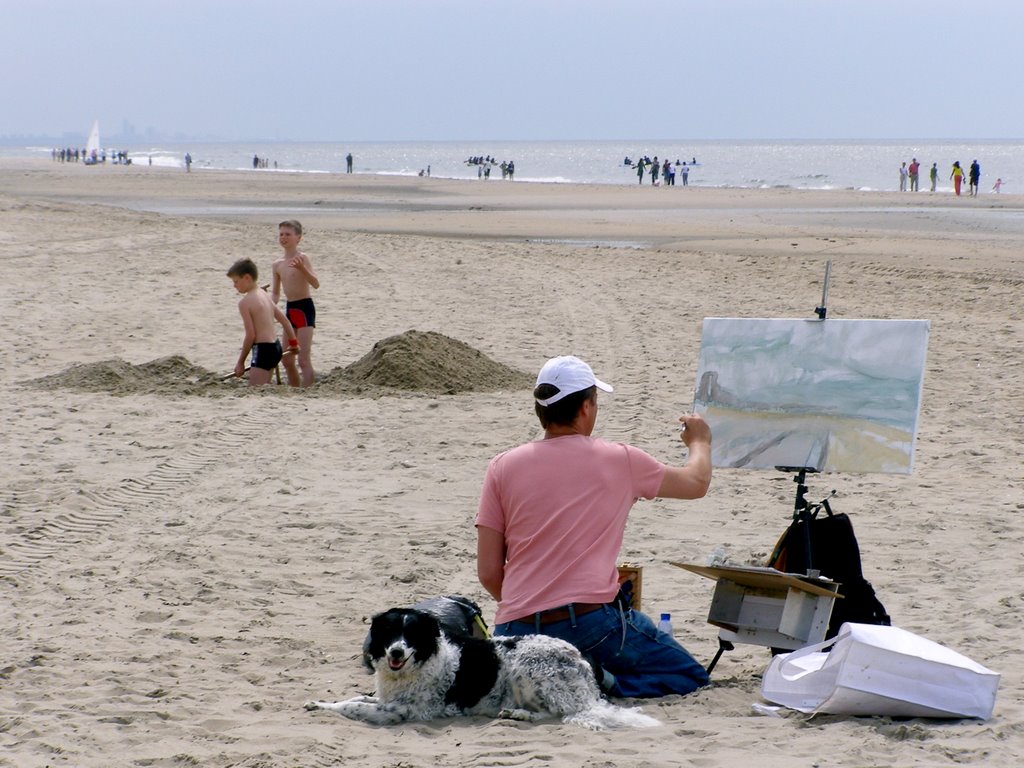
(184, 562)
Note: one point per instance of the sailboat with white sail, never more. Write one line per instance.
(92, 146)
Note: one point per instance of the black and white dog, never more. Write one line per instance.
(423, 673)
(458, 616)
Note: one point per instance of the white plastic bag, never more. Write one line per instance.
(878, 670)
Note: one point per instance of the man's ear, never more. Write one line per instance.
(587, 407)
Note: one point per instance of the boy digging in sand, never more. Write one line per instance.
(258, 315)
(294, 272)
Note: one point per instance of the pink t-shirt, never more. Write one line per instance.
(562, 504)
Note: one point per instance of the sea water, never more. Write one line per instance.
(753, 164)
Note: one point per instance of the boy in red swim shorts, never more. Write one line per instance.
(294, 273)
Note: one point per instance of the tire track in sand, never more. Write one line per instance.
(43, 529)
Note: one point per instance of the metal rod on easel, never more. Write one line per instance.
(823, 309)
(801, 509)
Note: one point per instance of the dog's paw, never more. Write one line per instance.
(367, 710)
(341, 706)
(519, 714)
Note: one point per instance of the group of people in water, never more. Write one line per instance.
(66, 154)
(910, 175)
(74, 155)
(485, 163)
(666, 170)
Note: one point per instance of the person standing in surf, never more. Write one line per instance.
(957, 176)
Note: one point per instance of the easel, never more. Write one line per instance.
(805, 396)
(802, 511)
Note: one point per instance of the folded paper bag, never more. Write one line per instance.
(879, 670)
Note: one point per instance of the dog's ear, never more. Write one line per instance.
(423, 632)
(423, 621)
(385, 627)
(379, 622)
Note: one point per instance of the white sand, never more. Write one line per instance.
(184, 563)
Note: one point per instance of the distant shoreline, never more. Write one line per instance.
(813, 165)
(614, 215)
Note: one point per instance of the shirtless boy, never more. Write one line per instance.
(258, 315)
(294, 272)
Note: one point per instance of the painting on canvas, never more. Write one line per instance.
(825, 395)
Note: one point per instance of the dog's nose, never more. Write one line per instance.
(396, 658)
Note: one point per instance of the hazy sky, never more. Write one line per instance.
(369, 70)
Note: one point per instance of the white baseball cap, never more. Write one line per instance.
(569, 374)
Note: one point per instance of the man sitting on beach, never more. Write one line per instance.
(258, 314)
(550, 525)
(294, 272)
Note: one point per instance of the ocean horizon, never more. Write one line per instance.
(867, 165)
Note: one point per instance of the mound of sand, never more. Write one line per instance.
(172, 375)
(428, 362)
(414, 361)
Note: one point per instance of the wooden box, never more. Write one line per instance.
(634, 574)
(762, 606)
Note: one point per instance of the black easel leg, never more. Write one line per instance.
(801, 511)
(723, 646)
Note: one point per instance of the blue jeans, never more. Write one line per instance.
(645, 662)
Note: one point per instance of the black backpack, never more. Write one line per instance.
(836, 555)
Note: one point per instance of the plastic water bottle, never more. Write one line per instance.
(665, 623)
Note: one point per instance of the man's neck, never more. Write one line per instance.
(561, 430)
